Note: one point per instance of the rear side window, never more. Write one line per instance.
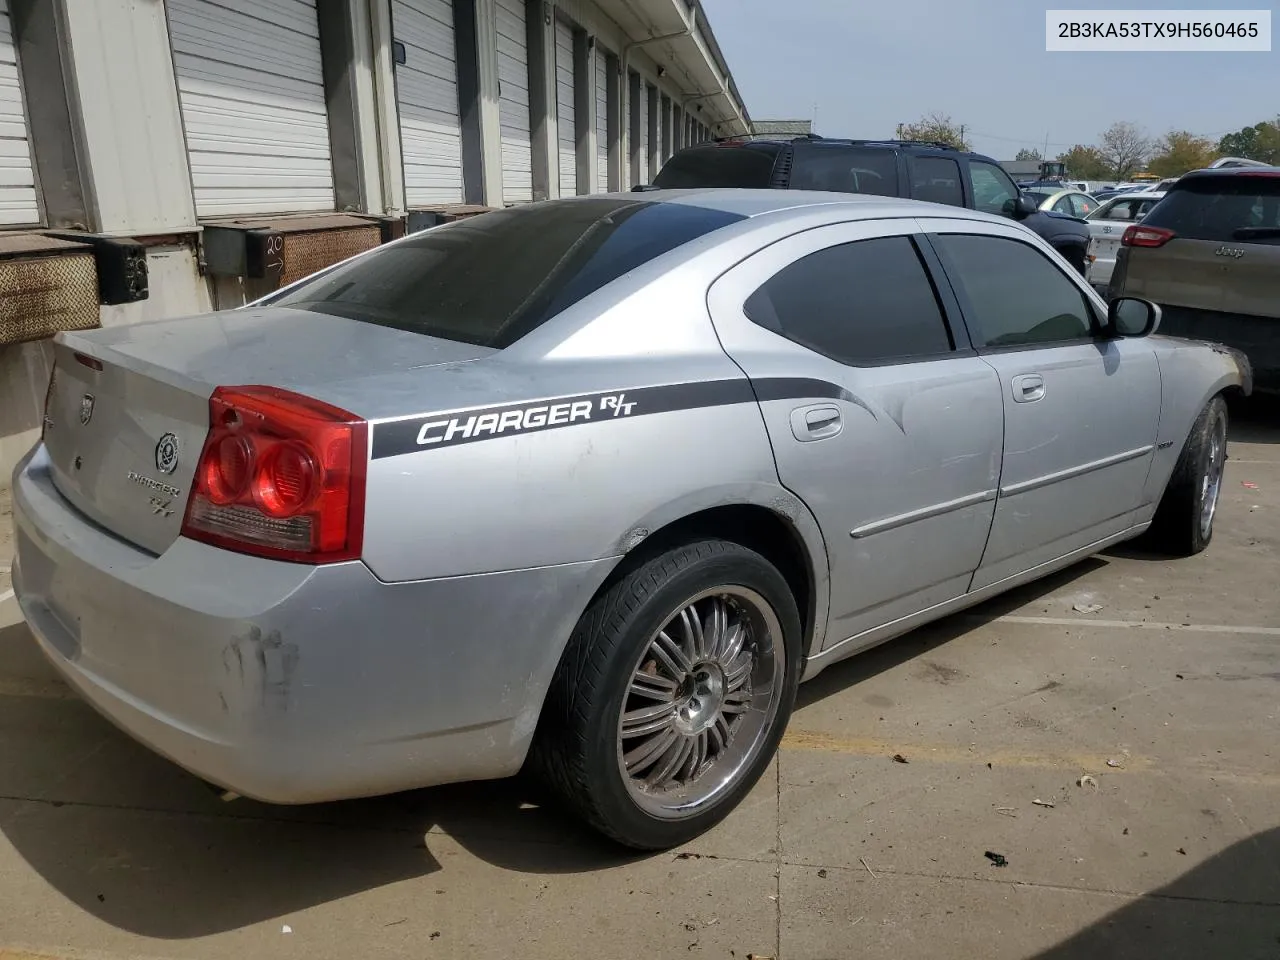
(846, 170)
(727, 166)
(491, 279)
(1242, 208)
(1017, 296)
(936, 180)
(859, 302)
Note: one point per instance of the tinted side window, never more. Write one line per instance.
(993, 191)
(846, 170)
(858, 302)
(936, 180)
(727, 166)
(1016, 294)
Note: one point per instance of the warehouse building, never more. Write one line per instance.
(168, 157)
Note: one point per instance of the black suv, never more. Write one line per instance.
(888, 168)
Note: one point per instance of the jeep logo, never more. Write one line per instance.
(1235, 253)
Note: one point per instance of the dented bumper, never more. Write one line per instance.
(285, 682)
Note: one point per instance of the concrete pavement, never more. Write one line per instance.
(1165, 695)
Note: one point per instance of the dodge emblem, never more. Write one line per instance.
(86, 409)
(167, 453)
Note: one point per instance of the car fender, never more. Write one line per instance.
(1192, 373)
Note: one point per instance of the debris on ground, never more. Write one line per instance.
(1086, 607)
(822, 874)
(758, 956)
(1248, 485)
(1086, 781)
(1182, 851)
(286, 929)
(1178, 675)
(899, 758)
(858, 921)
(1007, 812)
(1043, 803)
(999, 859)
(1112, 762)
(863, 861)
(1126, 831)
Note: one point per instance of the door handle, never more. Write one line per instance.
(1028, 388)
(815, 423)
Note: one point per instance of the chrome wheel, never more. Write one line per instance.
(701, 701)
(1211, 483)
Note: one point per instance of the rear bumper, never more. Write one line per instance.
(290, 683)
(1258, 338)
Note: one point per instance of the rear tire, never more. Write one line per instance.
(1183, 524)
(671, 697)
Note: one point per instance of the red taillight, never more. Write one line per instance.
(281, 475)
(1137, 236)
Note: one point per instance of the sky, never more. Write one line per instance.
(866, 65)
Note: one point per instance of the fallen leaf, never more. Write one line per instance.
(899, 758)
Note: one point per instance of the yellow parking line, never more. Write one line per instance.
(947, 753)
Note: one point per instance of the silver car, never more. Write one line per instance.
(590, 485)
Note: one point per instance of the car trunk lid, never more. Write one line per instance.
(128, 408)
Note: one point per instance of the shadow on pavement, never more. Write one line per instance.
(1228, 906)
(863, 666)
(140, 844)
(1255, 420)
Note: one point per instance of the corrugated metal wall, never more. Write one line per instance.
(253, 105)
(566, 135)
(17, 179)
(427, 95)
(513, 102)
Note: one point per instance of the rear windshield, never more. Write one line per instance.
(1243, 208)
(491, 279)
(846, 170)
(727, 166)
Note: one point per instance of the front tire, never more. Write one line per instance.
(1183, 524)
(672, 694)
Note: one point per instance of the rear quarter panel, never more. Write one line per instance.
(596, 487)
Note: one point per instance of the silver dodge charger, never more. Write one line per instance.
(589, 486)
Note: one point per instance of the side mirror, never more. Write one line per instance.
(1132, 317)
(1023, 207)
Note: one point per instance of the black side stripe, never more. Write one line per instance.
(450, 428)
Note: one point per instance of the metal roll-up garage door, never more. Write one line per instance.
(253, 107)
(566, 134)
(513, 102)
(602, 121)
(17, 179)
(427, 97)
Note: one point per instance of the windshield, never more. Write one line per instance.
(489, 280)
(1242, 207)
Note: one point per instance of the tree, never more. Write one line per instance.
(1028, 154)
(1179, 151)
(1086, 163)
(936, 127)
(1259, 142)
(1125, 148)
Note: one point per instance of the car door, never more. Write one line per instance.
(882, 421)
(1081, 411)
